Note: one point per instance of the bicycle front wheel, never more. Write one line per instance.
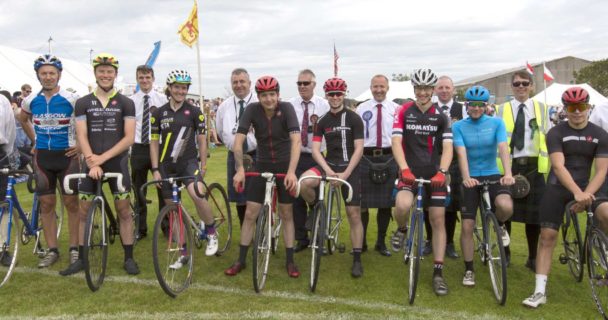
(573, 245)
(261, 249)
(414, 252)
(318, 239)
(334, 219)
(597, 264)
(172, 250)
(218, 201)
(95, 253)
(9, 241)
(496, 258)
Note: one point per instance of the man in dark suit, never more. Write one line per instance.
(444, 90)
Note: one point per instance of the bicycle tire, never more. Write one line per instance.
(95, 250)
(218, 200)
(597, 264)
(573, 245)
(261, 249)
(8, 240)
(317, 244)
(415, 253)
(167, 248)
(496, 258)
(334, 219)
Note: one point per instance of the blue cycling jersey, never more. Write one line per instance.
(53, 119)
(480, 138)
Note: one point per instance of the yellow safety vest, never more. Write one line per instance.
(540, 111)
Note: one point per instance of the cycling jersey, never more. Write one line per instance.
(580, 147)
(480, 138)
(340, 131)
(422, 134)
(177, 131)
(272, 135)
(105, 125)
(53, 119)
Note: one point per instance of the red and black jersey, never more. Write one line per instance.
(272, 135)
(423, 134)
(340, 131)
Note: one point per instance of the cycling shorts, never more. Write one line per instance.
(471, 196)
(433, 197)
(88, 187)
(187, 168)
(256, 186)
(52, 166)
(553, 204)
(354, 180)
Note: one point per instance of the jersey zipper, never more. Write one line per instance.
(270, 138)
(48, 133)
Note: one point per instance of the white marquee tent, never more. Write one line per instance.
(397, 89)
(17, 68)
(555, 91)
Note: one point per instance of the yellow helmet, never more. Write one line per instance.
(105, 59)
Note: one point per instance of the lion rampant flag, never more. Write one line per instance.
(188, 31)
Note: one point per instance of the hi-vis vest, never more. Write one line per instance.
(505, 112)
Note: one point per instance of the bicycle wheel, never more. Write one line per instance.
(216, 196)
(415, 252)
(95, 253)
(9, 240)
(478, 240)
(334, 219)
(573, 245)
(135, 217)
(597, 264)
(496, 258)
(318, 239)
(261, 249)
(172, 250)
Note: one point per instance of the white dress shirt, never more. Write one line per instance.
(317, 107)
(8, 130)
(599, 116)
(530, 143)
(227, 121)
(449, 105)
(156, 100)
(369, 114)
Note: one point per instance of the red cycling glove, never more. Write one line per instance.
(407, 176)
(438, 180)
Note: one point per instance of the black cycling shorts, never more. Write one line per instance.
(185, 168)
(471, 196)
(120, 164)
(354, 180)
(553, 204)
(256, 186)
(52, 166)
(433, 197)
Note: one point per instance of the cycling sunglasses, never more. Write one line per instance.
(573, 107)
(476, 104)
(303, 83)
(521, 83)
(335, 94)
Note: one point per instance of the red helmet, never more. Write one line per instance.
(266, 83)
(335, 84)
(575, 95)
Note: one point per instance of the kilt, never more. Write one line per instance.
(234, 196)
(526, 209)
(375, 195)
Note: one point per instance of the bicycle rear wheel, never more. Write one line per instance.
(597, 264)
(318, 239)
(496, 258)
(261, 249)
(9, 241)
(95, 253)
(172, 250)
(216, 196)
(415, 252)
(573, 245)
(334, 219)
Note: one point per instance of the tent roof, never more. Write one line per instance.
(397, 89)
(555, 91)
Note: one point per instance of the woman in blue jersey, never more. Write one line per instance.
(476, 140)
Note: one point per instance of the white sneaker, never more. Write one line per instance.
(181, 261)
(535, 300)
(73, 256)
(212, 244)
(397, 240)
(48, 260)
(506, 240)
(469, 279)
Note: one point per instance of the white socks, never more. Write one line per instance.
(541, 283)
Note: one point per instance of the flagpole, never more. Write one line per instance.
(201, 99)
(545, 85)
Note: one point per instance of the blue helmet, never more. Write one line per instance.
(49, 60)
(477, 93)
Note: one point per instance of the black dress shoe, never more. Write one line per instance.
(382, 250)
(450, 251)
(302, 245)
(428, 248)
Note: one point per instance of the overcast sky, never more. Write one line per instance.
(457, 38)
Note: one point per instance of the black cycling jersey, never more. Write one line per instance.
(177, 131)
(340, 130)
(272, 135)
(105, 125)
(580, 147)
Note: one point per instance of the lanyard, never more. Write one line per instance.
(236, 111)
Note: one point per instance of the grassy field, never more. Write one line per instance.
(381, 293)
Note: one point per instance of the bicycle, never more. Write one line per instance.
(266, 228)
(491, 248)
(573, 254)
(173, 261)
(97, 229)
(322, 223)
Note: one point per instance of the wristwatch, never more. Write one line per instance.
(443, 171)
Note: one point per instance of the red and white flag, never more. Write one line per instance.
(547, 75)
(529, 68)
(335, 61)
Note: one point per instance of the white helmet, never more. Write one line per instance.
(424, 77)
